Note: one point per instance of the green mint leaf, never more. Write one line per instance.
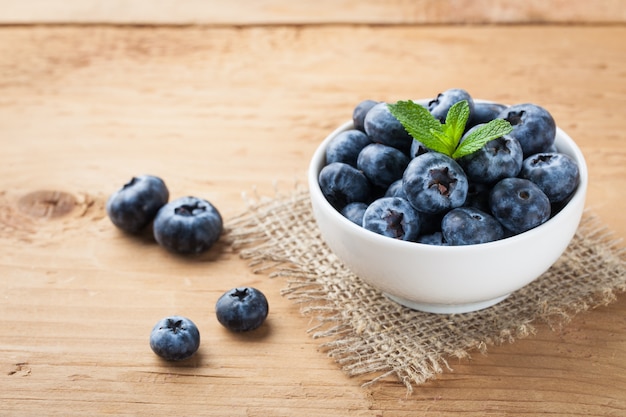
(481, 135)
(445, 143)
(420, 124)
(456, 119)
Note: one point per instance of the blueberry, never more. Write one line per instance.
(439, 106)
(497, 159)
(478, 196)
(382, 127)
(435, 239)
(382, 164)
(354, 212)
(345, 147)
(134, 206)
(393, 217)
(533, 127)
(395, 189)
(342, 184)
(242, 309)
(430, 222)
(484, 112)
(555, 173)
(470, 226)
(434, 182)
(417, 148)
(359, 112)
(188, 225)
(175, 338)
(519, 204)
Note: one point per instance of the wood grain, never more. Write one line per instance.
(281, 12)
(224, 110)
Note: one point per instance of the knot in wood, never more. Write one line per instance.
(47, 203)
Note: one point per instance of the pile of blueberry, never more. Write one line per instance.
(186, 225)
(384, 180)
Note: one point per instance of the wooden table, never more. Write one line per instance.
(220, 101)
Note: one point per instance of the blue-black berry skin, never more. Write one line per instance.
(470, 226)
(382, 127)
(382, 164)
(484, 112)
(519, 204)
(175, 338)
(555, 173)
(434, 183)
(354, 212)
(392, 217)
(478, 196)
(430, 222)
(533, 126)
(497, 159)
(134, 206)
(440, 105)
(359, 113)
(346, 146)
(417, 148)
(434, 239)
(242, 309)
(395, 189)
(343, 184)
(188, 225)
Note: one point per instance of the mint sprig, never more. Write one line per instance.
(445, 137)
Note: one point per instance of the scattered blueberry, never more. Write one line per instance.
(359, 112)
(188, 225)
(555, 173)
(342, 184)
(497, 159)
(134, 206)
(382, 164)
(382, 127)
(354, 212)
(439, 106)
(434, 182)
(175, 338)
(470, 226)
(242, 309)
(533, 127)
(393, 217)
(519, 204)
(345, 147)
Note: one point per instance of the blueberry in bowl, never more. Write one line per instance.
(469, 240)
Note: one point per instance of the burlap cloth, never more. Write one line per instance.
(371, 336)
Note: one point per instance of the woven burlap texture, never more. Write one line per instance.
(369, 335)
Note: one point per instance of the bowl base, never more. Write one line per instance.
(446, 308)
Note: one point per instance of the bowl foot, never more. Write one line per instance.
(446, 308)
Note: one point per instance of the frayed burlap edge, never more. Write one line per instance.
(369, 335)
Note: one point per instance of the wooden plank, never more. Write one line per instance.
(263, 12)
(218, 112)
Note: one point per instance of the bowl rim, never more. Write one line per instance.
(317, 162)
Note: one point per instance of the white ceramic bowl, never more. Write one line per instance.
(447, 279)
